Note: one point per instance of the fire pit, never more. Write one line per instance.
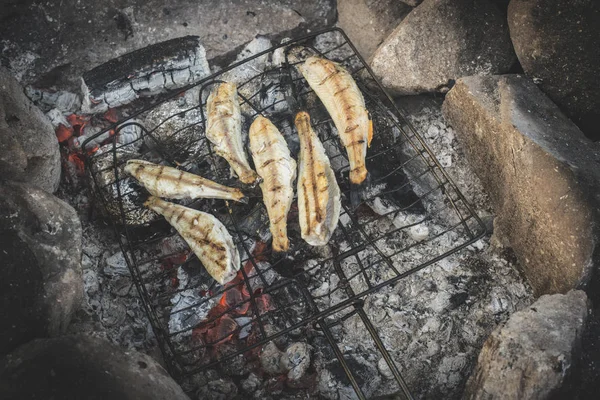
(278, 308)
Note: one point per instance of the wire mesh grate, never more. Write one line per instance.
(409, 215)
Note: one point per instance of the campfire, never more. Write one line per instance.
(275, 304)
(338, 244)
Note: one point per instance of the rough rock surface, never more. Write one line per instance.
(28, 145)
(530, 356)
(441, 41)
(368, 22)
(40, 279)
(541, 173)
(81, 367)
(412, 3)
(50, 42)
(556, 42)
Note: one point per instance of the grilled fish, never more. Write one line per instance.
(318, 192)
(172, 183)
(225, 130)
(206, 235)
(345, 103)
(278, 170)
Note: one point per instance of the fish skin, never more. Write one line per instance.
(172, 183)
(346, 105)
(319, 202)
(225, 130)
(277, 169)
(206, 235)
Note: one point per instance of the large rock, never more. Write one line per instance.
(441, 41)
(530, 356)
(80, 367)
(40, 277)
(368, 22)
(541, 173)
(557, 43)
(49, 54)
(28, 145)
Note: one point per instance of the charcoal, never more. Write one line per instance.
(296, 360)
(270, 359)
(124, 192)
(154, 69)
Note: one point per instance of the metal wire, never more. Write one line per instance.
(276, 295)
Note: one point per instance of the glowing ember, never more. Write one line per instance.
(220, 323)
(77, 161)
(63, 133)
(234, 299)
(222, 331)
(78, 121)
(111, 115)
(264, 303)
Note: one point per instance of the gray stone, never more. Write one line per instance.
(541, 173)
(556, 42)
(81, 367)
(41, 283)
(52, 43)
(412, 3)
(368, 22)
(28, 145)
(441, 41)
(530, 356)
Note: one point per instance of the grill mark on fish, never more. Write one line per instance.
(318, 194)
(278, 170)
(206, 236)
(179, 216)
(267, 162)
(169, 182)
(339, 93)
(330, 76)
(311, 163)
(224, 130)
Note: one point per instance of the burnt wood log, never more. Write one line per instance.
(154, 69)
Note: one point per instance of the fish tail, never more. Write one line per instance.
(358, 174)
(281, 244)
(358, 191)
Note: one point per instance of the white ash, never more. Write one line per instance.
(425, 115)
(249, 69)
(188, 307)
(64, 101)
(57, 118)
(246, 327)
(111, 307)
(175, 128)
(130, 132)
(263, 92)
(343, 52)
(116, 265)
(270, 359)
(296, 360)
